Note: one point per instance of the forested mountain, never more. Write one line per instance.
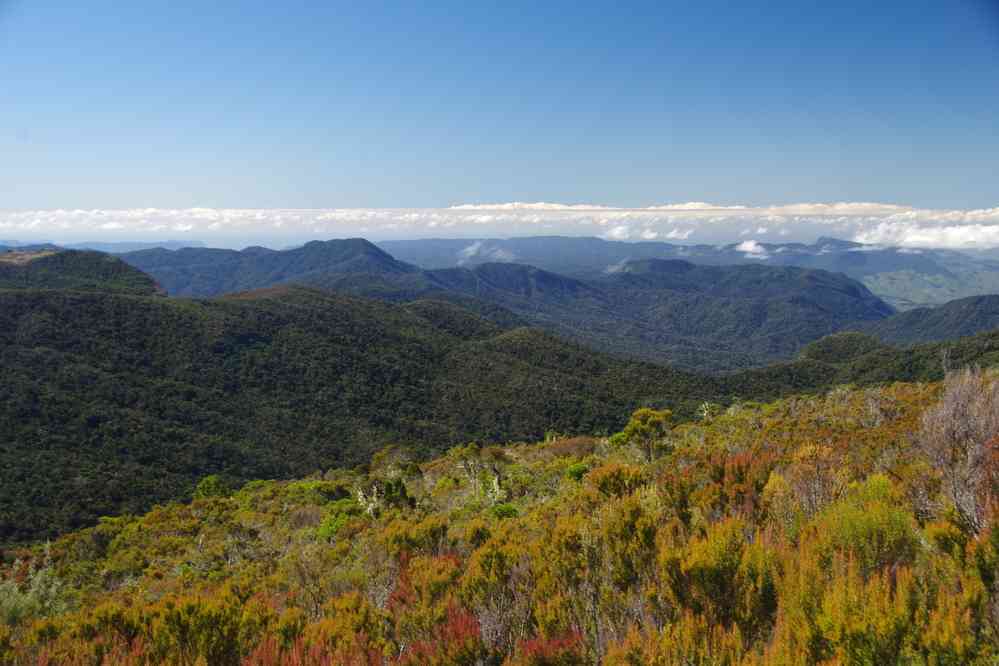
(906, 278)
(211, 272)
(111, 402)
(966, 316)
(814, 530)
(71, 269)
(704, 318)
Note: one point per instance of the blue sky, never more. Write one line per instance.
(318, 105)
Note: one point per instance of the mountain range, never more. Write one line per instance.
(709, 318)
(904, 277)
(111, 247)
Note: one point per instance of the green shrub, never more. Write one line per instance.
(504, 511)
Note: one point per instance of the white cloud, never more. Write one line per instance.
(521, 205)
(752, 249)
(616, 268)
(620, 232)
(481, 250)
(696, 222)
(470, 251)
(907, 234)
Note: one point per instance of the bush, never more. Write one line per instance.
(504, 511)
(869, 523)
(212, 486)
(614, 480)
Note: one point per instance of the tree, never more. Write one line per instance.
(212, 486)
(648, 430)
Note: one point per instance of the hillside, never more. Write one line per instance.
(905, 278)
(211, 272)
(112, 402)
(71, 269)
(703, 318)
(963, 317)
(813, 530)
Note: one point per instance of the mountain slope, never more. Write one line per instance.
(705, 318)
(111, 402)
(963, 317)
(906, 278)
(71, 269)
(210, 272)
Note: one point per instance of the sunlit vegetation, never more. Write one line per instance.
(855, 527)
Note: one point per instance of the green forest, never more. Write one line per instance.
(112, 402)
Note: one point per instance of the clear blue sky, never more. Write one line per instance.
(290, 104)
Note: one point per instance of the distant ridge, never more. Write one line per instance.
(958, 318)
(904, 277)
(211, 272)
(78, 270)
(120, 247)
(706, 318)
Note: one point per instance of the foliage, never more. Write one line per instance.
(812, 530)
(211, 486)
(648, 430)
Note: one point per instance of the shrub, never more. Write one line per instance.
(212, 486)
(577, 471)
(504, 511)
(614, 480)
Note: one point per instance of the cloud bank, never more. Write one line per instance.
(690, 222)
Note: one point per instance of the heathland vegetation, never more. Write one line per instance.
(855, 527)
